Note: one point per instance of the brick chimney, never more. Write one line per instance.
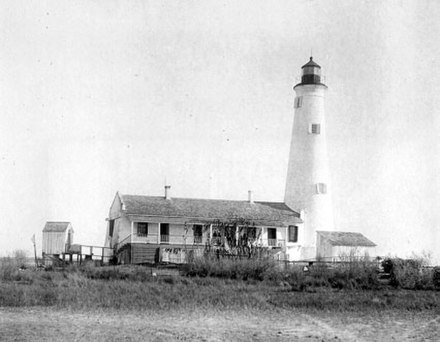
(167, 192)
(250, 199)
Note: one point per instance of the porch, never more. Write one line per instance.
(159, 245)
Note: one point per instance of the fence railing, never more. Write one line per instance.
(182, 239)
(272, 242)
(178, 239)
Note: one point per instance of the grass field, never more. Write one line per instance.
(130, 304)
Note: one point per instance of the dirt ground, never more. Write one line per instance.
(42, 324)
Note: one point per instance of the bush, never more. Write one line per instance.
(9, 266)
(436, 277)
(229, 268)
(104, 273)
(352, 275)
(8, 269)
(408, 274)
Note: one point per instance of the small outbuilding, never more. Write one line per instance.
(57, 237)
(343, 246)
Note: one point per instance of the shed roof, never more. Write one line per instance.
(346, 239)
(58, 227)
(262, 213)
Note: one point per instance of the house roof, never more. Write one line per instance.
(346, 239)
(58, 227)
(258, 213)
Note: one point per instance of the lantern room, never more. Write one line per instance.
(311, 73)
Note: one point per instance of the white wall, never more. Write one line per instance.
(54, 242)
(308, 164)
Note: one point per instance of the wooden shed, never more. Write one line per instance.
(57, 237)
(343, 246)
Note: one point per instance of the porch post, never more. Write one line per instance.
(264, 241)
(131, 244)
(210, 234)
(158, 233)
(236, 234)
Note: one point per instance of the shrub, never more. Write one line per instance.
(350, 275)
(436, 277)
(8, 269)
(409, 274)
(104, 273)
(20, 258)
(9, 266)
(248, 268)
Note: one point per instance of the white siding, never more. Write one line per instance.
(122, 229)
(54, 242)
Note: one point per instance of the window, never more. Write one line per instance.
(216, 238)
(321, 188)
(142, 229)
(298, 102)
(315, 128)
(164, 232)
(111, 226)
(272, 237)
(251, 233)
(198, 233)
(293, 233)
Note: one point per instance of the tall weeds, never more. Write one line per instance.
(350, 275)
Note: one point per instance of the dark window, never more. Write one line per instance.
(142, 229)
(164, 232)
(293, 234)
(271, 233)
(298, 102)
(251, 233)
(272, 236)
(198, 233)
(216, 238)
(111, 226)
(315, 129)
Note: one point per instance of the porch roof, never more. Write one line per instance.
(207, 210)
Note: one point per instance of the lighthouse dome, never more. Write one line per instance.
(311, 73)
(311, 63)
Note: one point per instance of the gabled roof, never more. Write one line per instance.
(346, 239)
(58, 227)
(258, 213)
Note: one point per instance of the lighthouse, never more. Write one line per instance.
(308, 179)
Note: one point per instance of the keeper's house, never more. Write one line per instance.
(147, 229)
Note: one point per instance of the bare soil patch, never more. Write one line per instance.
(45, 324)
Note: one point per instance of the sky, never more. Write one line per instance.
(104, 96)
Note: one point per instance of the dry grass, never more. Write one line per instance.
(217, 284)
(135, 289)
(114, 303)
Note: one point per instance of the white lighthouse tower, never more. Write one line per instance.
(308, 179)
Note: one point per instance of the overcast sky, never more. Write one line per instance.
(105, 96)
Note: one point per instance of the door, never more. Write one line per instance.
(164, 232)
